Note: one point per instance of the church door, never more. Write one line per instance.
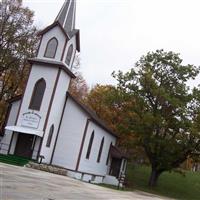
(115, 167)
(24, 145)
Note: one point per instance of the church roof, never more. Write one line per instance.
(92, 115)
(66, 16)
(115, 152)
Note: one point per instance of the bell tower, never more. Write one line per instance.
(44, 97)
(60, 40)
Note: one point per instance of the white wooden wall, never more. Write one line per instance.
(70, 136)
(91, 165)
(55, 114)
(11, 122)
(59, 35)
(49, 74)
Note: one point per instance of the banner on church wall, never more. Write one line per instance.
(31, 120)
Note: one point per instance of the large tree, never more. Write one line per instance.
(17, 43)
(165, 110)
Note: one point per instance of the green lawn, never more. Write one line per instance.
(169, 184)
(13, 160)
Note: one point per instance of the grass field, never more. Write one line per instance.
(13, 160)
(172, 184)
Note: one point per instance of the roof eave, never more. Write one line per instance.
(91, 117)
(105, 128)
(54, 24)
(57, 23)
(15, 98)
(52, 64)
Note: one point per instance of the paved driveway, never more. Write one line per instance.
(21, 183)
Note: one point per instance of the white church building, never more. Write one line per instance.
(48, 121)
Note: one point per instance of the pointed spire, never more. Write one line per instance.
(66, 16)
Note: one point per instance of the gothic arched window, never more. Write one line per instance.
(90, 145)
(108, 154)
(100, 150)
(37, 95)
(69, 54)
(50, 136)
(51, 48)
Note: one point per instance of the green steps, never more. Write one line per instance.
(13, 160)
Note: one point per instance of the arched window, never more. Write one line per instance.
(100, 150)
(50, 136)
(90, 145)
(69, 54)
(51, 48)
(108, 154)
(37, 95)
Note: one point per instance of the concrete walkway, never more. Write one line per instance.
(21, 183)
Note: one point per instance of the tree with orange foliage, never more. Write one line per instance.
(17, 43)
(108, 103)
(78, 86)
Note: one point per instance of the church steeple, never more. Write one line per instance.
(60, 40)
(66, 16)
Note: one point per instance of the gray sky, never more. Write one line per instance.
(115, 33)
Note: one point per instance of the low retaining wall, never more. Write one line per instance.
(48, 168)
(77, 175)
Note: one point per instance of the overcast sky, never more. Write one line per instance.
(115, 33)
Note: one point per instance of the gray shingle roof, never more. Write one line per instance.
(66, 16)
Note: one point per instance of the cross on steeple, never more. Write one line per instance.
(66, 16)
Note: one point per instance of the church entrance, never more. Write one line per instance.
(115, 167)
(24, 145)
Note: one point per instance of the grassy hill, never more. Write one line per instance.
(172, 184)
